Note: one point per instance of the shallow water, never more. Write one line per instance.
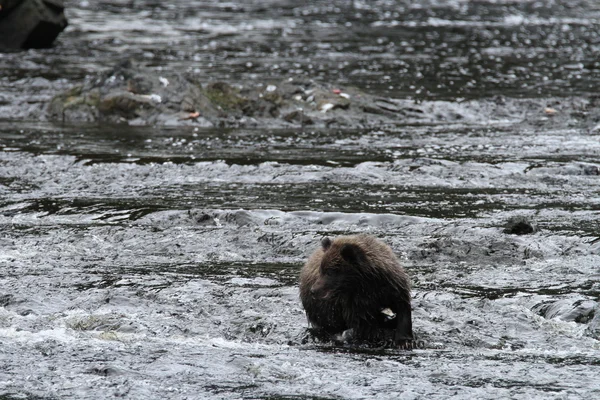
(142, 262)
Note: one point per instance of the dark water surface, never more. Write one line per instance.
(155, 262)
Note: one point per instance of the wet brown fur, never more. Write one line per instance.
(348, 281)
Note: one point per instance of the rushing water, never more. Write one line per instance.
(148, 262)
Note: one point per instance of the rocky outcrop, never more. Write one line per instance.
(141, 96)
(137, 96)
(26, 24)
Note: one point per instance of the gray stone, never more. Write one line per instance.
(593, 329)
(26, 24)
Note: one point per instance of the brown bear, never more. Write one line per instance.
(354, 286)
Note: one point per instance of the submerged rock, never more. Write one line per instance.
(593, 329)
(26, 24)
(519, 226)
(578, 309)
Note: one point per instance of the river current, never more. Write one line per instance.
(162, 262)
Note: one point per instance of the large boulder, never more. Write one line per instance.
(26, 24)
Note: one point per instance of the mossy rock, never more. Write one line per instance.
(273, 97)
(125, 104)
(64, 100)
(336, 103)
(76, 104)
(225, 96)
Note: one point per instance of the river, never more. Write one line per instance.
(162, 262)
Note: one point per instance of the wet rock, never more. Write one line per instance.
(19, 306)
(138, 95)
(127, 105)
(242, 218)
(139, 85)
(6, 299)
(325, 100)
(268, 103)
(443, 248)
(75, 105)
(26, 24)
(202, 219)
(127, 95)
(106, 370)
(298, 116)
(472, 246)
(593, 329)
(225, 97)
(103, 323)
(580, 310)
(570, 168)
(519, 226)
(260, 328)
(588, 169)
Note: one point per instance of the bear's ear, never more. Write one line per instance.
(352, 254)
(326, 243)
